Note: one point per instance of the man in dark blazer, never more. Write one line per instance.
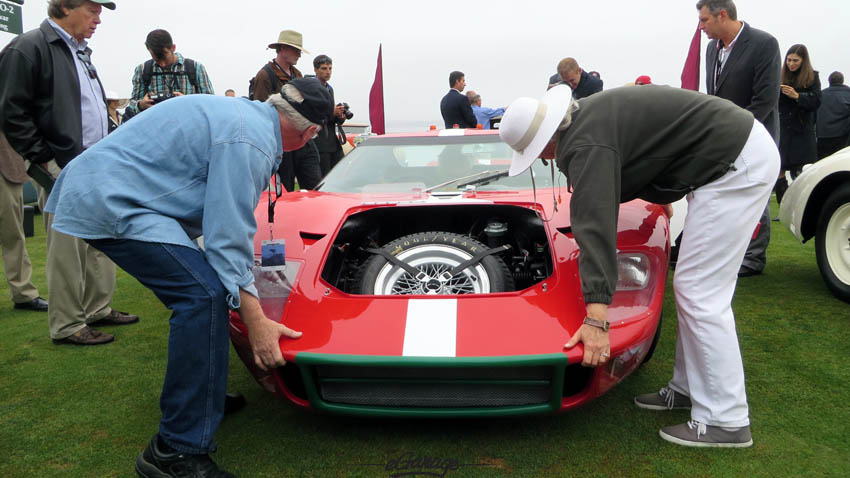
(583, 83)
(455, 106)
(327, 141)
(743, 65)
(833, 123)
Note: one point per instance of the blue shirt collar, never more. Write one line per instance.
(72, 42)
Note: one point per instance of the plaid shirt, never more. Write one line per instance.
(169, 83)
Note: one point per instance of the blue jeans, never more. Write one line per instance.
(192, 400)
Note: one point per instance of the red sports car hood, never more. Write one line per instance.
(537, 320)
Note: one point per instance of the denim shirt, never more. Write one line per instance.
(193, 165)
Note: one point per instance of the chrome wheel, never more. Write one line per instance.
(433, 261)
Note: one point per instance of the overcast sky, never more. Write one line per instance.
(506, 49)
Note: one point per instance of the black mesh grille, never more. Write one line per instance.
(435, 387)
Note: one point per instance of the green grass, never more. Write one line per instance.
(88, 411)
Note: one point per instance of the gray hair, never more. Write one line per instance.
(298, 121)
(568, 116)
(54, 7)
(715, 6)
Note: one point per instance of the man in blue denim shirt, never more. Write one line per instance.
(195, 165)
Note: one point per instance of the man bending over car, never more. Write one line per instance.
(201, 175)
(660, 144)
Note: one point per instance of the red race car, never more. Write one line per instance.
(427, 282)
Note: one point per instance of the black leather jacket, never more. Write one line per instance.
(40, 97)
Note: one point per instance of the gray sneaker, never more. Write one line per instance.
(699, 434)
(665, 399)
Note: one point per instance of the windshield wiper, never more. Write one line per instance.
(485, 179)
(482, 175)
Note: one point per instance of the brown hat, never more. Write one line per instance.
(290, 38)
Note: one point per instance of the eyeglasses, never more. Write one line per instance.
(84, 57)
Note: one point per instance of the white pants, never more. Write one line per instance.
(721, 219)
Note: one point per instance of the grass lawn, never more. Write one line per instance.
(88, 411)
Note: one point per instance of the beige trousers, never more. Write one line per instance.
(80, 279)
(16, 261)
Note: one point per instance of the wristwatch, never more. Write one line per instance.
(602, 324)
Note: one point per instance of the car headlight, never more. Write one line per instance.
(632, 271)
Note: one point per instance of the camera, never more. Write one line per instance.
(346, 111)
(160, 97)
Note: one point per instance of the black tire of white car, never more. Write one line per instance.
(434, 253)
(832, 242)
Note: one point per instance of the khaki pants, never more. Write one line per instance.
(80, 279)
(16, 261)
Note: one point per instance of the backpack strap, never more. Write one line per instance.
(274, 81)
(192, 73)
(147, 75)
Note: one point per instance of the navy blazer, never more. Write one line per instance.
(457, 110)
(750, 77)
(834, 112)
(587, 85)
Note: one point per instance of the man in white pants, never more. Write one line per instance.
(660, 144)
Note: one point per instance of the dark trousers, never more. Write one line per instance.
(302, 164)
(827, 146)
(192, 400)
(756, 256)
(328, 160)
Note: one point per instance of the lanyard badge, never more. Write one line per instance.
(273, 251)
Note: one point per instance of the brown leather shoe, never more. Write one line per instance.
(117, 318)
(86, 336)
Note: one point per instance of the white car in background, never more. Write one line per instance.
(817, 204)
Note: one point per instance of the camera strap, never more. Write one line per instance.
(340, 134)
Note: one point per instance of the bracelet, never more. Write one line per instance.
(602, 324)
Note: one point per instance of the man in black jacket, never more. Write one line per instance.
(330, 149)
(583, 83)
(54, 107)
(833, 124)
(661, 144)
(743, 65)
(455, 106)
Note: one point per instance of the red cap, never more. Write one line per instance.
(643, 80)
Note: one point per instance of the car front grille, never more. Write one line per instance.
(435, 387)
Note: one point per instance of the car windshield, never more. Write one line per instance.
(435, 163)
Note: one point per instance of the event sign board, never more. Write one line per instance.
(11, 20)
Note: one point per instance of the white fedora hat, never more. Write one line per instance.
(529, 124)
(112, 95)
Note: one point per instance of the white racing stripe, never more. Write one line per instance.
(431, 328)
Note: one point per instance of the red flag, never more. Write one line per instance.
(376, 99)
(690, 74)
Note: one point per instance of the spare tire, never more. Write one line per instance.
(434, 253)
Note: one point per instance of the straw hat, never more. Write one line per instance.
(291, 38)
(122, 102)
(529, 124)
